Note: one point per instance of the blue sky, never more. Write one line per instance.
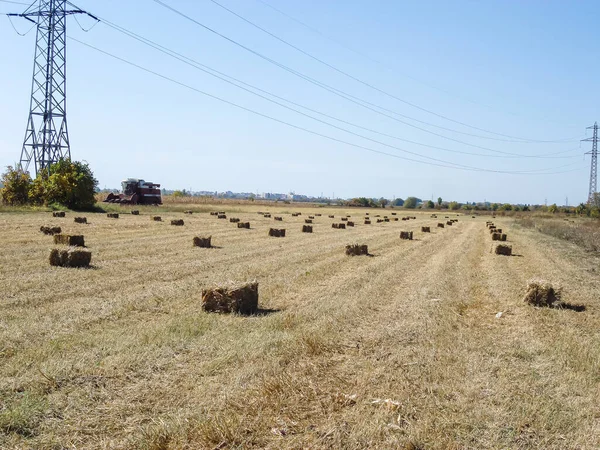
(524, 69)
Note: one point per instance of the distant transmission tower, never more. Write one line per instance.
(47, 137)
(594, 169)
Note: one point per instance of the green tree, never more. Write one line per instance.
(430, 204)
(410, 202)
(553, 208)
(453, 206)
(383, 202)
(439, 201)
(17, 185)
(69, 183)
(398, 202)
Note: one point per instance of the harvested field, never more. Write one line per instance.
(401, 350)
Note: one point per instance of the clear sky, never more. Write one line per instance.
(518, 68)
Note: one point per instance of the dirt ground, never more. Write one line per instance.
(401, 349)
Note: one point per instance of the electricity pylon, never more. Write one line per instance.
(47, 136)
(594, 169)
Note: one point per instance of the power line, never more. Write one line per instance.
(377, 61)
(220, 75)
(381, 91)
(316, 133)
(340, 93)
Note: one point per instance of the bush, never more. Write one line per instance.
(69, 183)
(17, 185)
(411, 202)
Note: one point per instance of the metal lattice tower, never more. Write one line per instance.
(594, 169)
(47, 137)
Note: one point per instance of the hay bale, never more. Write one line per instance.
(425, 229)
(66, 239)
(189, 211)
(542, 293)
(503, 249)
(440, 225)
(135, 212)
(350, 223)
(308, 221)
(58, 214)
(395, 219)
(318, 215)
(386, 219)
(72, 257)
(279, 219)
(307, 228)
(112, 215)
(274, 232)
(357, 250)
(244, 225)
(408, 235)
(449, 223)
(177, 222)
(241, 299)
(339, 226)
(393, 214)
(214, 213)
(222, 216)
(366, 214)
(367, 222)
(50, 230)
(157, 218)
(267, 216)
(344, 219)
(379, 220)
(496, 236)
(295, 214)
(203, 242)
(80, 220)
(332, 217)
(503, 237)
(498, 230)
(233, 220)
(405, 218)
(311, 217)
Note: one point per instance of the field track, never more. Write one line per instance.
(401, 349)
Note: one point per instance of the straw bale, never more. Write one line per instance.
(244, 225)
(350, 223)
(357, 250)
(58, 214)
(203, 242)
(73, 257)
(307, 228)
(274, 232)
(177, 222)
(233, 220)
(50, 230)
(157, 218)
(503, 249)
(80, 220)
(241, 299)
(65, 239)
(112, 215)
(308, 221)
(406, 235)
(542, 293)
(440, 225)
(426, 229)
(135, 212)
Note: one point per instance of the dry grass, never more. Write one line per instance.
(583, 232)
(402, 350)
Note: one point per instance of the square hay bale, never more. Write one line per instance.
(294, 214)
(350, 223)
(498, 230)
(233, 220)
(379, 220)
(503, 249)
(318, 215)
(214, 213)
(135, 212)
(189, 211)
(260, 212)
(367, 222)
(408, 235)
(278, 219)
(426, 229)
(66, 239)
(414, 218)
(332, 217)
(386, 219)
(267, 216)
(440, 225)
(73, 257)
(221, 216)
(177, 222)
(80, 220)
(496, 236)
(542, 293)
(311, 217)
(348, 216)
(393, 214)
(112, 215)
(221, 213)
(308, 221)
(357, 250)
(492, 230)
(274, 232)
(50, 230)
(344, 219)
(58, 214)
(244, 225)
(202, 242)
(405, 218)
(157, 218)
(366, 214)
(377, 215)
(395, 219)
(449, 223)
(503, 237)
(242, 299)
(339, 226)
(446, 217)
(307, 228)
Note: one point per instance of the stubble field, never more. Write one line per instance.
(402, 349)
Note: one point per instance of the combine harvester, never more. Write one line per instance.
(136, 192)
